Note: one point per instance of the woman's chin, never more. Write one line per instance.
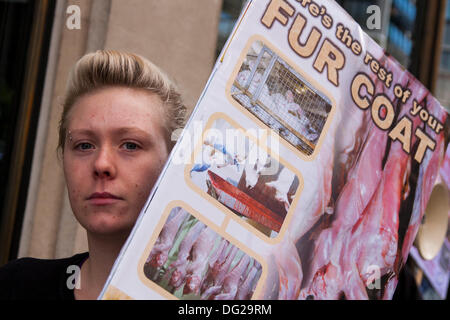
(109, 227)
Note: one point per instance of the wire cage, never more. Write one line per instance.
(276, 94)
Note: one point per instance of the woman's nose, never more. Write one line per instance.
(104, 166)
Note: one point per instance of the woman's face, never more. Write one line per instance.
(114, 151)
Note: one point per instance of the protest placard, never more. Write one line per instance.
(303, 172)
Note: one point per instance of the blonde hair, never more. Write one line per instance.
(105, 68)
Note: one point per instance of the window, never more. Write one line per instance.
(23, 51)
(443, 82)
(228, 17)
(445, 58)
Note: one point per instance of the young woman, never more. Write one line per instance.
(114, 139)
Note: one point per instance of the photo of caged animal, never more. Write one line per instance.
(275, 93)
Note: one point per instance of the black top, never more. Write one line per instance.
(29, 278)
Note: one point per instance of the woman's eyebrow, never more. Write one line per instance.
(131, 130)
(117, 131)
(81, 132)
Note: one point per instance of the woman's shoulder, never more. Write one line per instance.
(29, 278)
(25, 264)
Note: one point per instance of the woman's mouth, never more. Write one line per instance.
(103, 198)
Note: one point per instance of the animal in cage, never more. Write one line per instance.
(276, 94)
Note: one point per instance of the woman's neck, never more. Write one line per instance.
(103, 251)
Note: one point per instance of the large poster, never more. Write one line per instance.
(303, 172)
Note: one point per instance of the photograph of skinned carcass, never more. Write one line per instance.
(281, 98)
(368, 187)
(235, 172)
(192, 261)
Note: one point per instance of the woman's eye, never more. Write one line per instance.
(130, 145)
(84, 146)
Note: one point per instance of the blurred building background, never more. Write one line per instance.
(39, 43)
(416, 33)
